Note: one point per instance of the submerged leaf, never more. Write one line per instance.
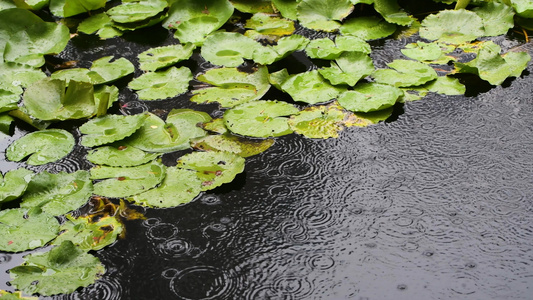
(310, 87)
(368, 97)
(42, 147)
(110, 128)
(405, 73)
(162, 84)
(22, 230)
(319, 122)
(120, 156)
(367, 28)
(323, 14)
(228, 49)
(14, 183)
(231, 143)
(452, 26)
(88, 233)
(348, 68)
(162, 57)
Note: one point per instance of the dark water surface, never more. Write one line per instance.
(437, 204)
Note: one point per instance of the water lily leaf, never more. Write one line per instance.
(25, 38)
(327, 49)
(368, 97)
(105, 94)
(231, 86)
(24, 230)
(348, 68)
(452, 26)
(228, 48)
(497, 17)
(120, 156)
(6, 122)
(5, 295)
(123, 182)
(231, 143)
(216, 125)
(267, 26)
(47, 99)
(285, 46)
(405, 73)
(110, 128)
(162, 57)
(89, 233)
(162, 84)
(141, 24)
(9, 100)
(287, 8)
(195, 20)
(59, 271)
(188, 122)
(319, 122)
(14, 75)
(104, 70)
(367, 28)
(69, 8)
(101, 24)
(260, 118)
(517, 62)
(212, 168)
(58, 193)
(413, 93)
(523, 8)
(14, 183)
(310, 87)
(365, 119)
(446, 85)
(392, 12)
(428, 52)
(42, 147)
(253, 6)
(323, 14)
(156, 136)
(129, 12)
(180, 186)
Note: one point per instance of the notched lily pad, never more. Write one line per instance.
(120, 156)
(285, 46)
(161, 57)
(24, 230)
(103, 70)
(429, 52)
(87, 233)
(323, 14)
(319, 122)
(110, 128)
(368, 97)
(230, 143)
(42, 146)
(325, 48)
(405, 73)
(367, 28)
(100, 24)
(268, 26)
(348, 68)
(14, 183)
(446, 85)
(162, 84)
(228, 49)
(452, 26)
(310, 87)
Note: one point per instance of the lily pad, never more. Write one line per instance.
(14, 183)
(230, 143)
(267, 26)
(24, 230)
(366, 119)
(103, 70)
(367, 28)
(447, 86)
(310, 87)
(523, 8)
(287, 8)
(69, 8)
(13, 76)
(5, 295)
(162, 84)
(180, 186)
(124, 182)
(325, 48)
(162, 57)
(405, 73)
(104, 97)
(253, 6)
(323, 14)
(285, 46)
(188, 122)
(497, 17)
(212, 168)
(129, 12)
(59, 193)
(231, 86)
(348, 68)
(6, 123)
(215, 125)
(42, 147)
(428, 52)
(157, 136)
(452, 26)
(368, 97)
(87, 233)
(120, 156)
(100, 24)
(392, 12)
(63, 269)
(260, 118)
(319, 122)
(110, 128)
(228, 49)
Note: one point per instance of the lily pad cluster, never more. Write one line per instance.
(242, 50)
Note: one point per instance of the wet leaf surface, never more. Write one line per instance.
(41, 147)
(14, 183)
(120, 156)
(24, 229)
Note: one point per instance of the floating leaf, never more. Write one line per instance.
(58, 193)
(260, 118)
(24, 230)
(212, 168)
(129, 12)
(428, 52)
(188, 122)
(124, 182)
(42, 147)
(319, 122)
(523, 8)
(5, 295)
(253, 6)
(103, 95)
(13, 76)
(286, 45)
(162, 84)
(101, 24)
(63, 269)
(14, 183)
(6, 122)
(267, 26)
(120, 156)
(348, 68)
(447, 86)
(368, 97)
(392, 12)
(228, 48)
(215, 125)
(231, 143)
(162, 57)
(179, 187)
(413, 93)
(327, 49)
(452, 26)
(405, 73)
(110, 128)
(497, 18)
(69, 8)
(88, 233)
(156, 136)
(367, 28)
(102, 71)
(231, 86)
(323, 14)
(310, 87)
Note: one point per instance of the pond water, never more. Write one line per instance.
(437, 204)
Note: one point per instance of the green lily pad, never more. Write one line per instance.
(59, 193)
(517, 62)
(392, 12)
(310, 87)
(162, 57)
(24, 230)
(42, 147)
(25, 38)
(87, 233)
(104, 97)
(285, 46)
(14, 183)
(6, 124)
(120, 156)
(405, 73)
(368, 97)
(13, 76)
(5, 295)
(230, 143)
(260, 118)
(100, 24)
(253, 6)
(446, 85)
(323, 14)
(179, 187)
(129, 12)
(319, 122)
(69, 8)
(216, 125)
(348, 68)
(157, 136)
(414, 93)
(61, 270)
(231, 86)
(9, 100)
(228, 49)
(110, 128)
(101, 71)
(325, 48)
(497, 17)
(124, 182)
(267, 26)
(452, 26)
(212, 168)
(428, 52)
(287, 8)
(366, 119)
(162, 84)
(367, 28)
(195, 20)
(523, 8)
(188, 122)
